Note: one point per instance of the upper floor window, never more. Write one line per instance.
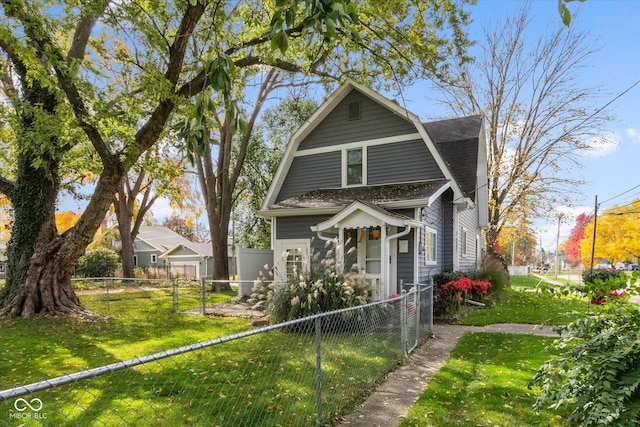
(355, 167)
(354, 110)
(154, 258)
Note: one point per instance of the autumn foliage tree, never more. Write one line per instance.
(617, 235)
(574, 242)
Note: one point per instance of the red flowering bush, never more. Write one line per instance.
(463, 284)
(481, 287)
(468, 286)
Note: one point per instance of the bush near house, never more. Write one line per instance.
(451, 289)
(320, 289)
(101, 262)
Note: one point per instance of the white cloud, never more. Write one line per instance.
(634, 134)
(602, 145)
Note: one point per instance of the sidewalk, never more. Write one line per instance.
(390, 402)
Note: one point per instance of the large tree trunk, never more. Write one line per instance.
(39, 266)
(124, 227)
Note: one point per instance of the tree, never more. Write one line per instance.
(573, 243)
(156, 174)
(617, 235)
(71, 87)
(181, 226)
(264, 153)
(388, 41)
(540, 118)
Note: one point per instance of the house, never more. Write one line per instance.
(403, 199)
(161, 247)
(151, 243)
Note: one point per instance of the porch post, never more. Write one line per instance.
(384, 261)
(339, 254)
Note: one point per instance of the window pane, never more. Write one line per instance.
(354, 157)
(354, 174)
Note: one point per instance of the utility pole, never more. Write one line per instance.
(558, 245)
(593, 240)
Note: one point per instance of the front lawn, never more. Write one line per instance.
(528, 306)
(484, 383)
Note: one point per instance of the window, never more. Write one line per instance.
(355, 167)
(292, 257)
(293, 261)
(154, 259)
(430, 239)
(463, 241)
(135, 260)
(354, 110)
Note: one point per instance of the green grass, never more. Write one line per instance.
(523, 304)
(484, 383)
(266, 379)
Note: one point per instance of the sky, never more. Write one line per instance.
(614, 175)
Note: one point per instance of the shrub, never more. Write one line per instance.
(497, 278)
(602, 274)
(320, 289)
(596, 375)
(445, 301)
(101, 262)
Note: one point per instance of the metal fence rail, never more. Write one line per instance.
(307, 371)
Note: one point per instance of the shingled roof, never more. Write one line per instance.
(457, 142)
(372, 194)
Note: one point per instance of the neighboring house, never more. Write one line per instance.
(151, 243)
(190, 259)
(404, 200)
(161, 247)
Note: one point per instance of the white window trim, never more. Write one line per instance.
(154, 258)
(464, 244)
(135, 260)
(283, 245)
(364, 166)
(434, 261)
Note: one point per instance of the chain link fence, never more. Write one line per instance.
(299, 373)
(104, 294)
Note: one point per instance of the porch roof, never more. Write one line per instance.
(364, 214)
(387, 195)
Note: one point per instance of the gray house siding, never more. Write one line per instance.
(433, 220)
(401, 162)
(375, 121)
(447, 232)
(404, 267)
(299, 227)
(471, 259)
(308, 173)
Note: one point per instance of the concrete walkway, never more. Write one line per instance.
(390, 402)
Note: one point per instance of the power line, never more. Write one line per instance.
(621, 194)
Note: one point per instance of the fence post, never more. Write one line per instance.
(203, 297)
(418, 288)
(430, 297)
(403, 322)
(106, 286)
(318, 331)
(174, 291)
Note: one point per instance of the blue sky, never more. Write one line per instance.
(614, 26)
